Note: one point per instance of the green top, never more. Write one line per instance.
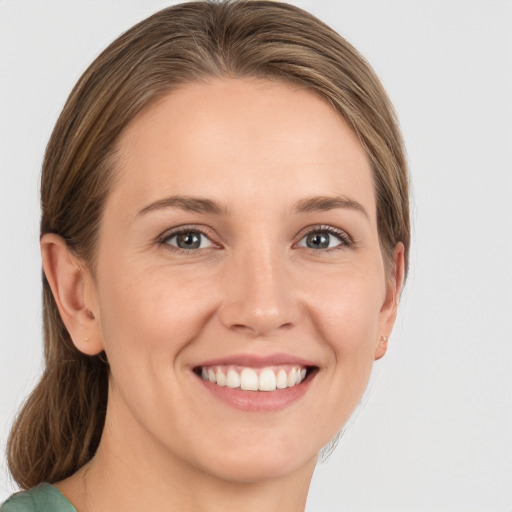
(43, 498)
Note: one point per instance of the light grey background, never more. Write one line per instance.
(435, 431)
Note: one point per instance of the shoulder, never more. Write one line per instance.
(43, 498)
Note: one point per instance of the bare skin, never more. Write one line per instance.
(276, 192)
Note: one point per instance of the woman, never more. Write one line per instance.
(224, 236)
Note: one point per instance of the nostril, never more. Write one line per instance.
(261, 329)
(242, 327)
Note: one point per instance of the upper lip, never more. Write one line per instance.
(257, 361)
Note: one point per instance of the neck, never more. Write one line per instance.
(130, 476)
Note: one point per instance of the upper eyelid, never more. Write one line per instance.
(211, 234)
(342, 233)
(172, 232)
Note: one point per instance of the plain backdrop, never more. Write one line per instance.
(434, 432)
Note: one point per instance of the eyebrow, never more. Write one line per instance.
(205, 205)
(325, 203)
(187, 203)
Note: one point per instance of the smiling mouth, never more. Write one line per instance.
(270, 378)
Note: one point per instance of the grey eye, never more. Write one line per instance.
(320, 240)
(189, 240)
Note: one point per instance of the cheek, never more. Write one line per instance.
(343, 307)
(149, 317)
(150, 312)
(346, 306)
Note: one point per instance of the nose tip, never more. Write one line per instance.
(259, 301)
(258, 322)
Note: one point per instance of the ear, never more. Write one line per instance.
(74, 292)
(388, 312)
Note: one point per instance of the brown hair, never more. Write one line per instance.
(60, 425)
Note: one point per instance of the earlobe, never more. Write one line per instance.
(382, 347)
(68, 281)
(390, 306)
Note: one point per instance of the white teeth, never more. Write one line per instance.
(249, 379)
(267, 380)
(232, 379)
(292, 377)
(221, 378)
(281, 380)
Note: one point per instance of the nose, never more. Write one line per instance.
(259, 296)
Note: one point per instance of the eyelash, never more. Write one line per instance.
(169, 235)
(346, 241)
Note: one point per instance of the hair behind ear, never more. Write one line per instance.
(64, 415)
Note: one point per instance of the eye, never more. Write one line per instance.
(188, 240)
(325, 238)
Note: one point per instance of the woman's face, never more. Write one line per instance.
(239, 245)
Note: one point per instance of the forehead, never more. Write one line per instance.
(241, 139)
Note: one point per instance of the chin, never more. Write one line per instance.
(262, 469)
(260, 457)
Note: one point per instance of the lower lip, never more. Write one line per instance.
(258, 401)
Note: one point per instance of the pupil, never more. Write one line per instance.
(188, 241)
(318, 241)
